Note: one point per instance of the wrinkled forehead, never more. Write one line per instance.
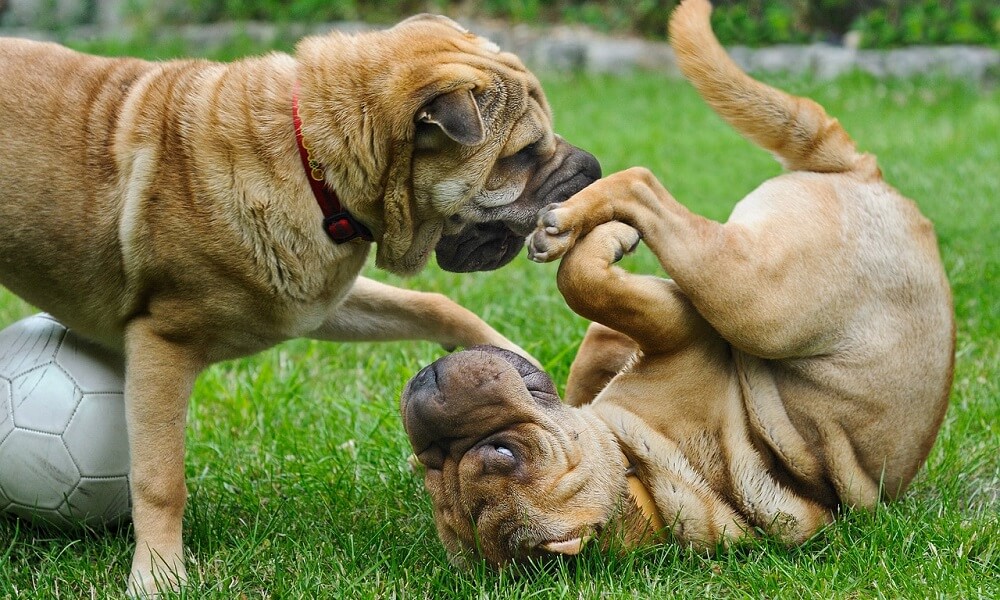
(505, 65)
(481, 41)
(516, 104)
(443, 28)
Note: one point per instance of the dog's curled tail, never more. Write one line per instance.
(796, 130)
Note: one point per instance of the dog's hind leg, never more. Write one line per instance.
(602, 354)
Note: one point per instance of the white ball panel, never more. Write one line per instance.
(97, 438)
(94, 368)
(44, 399)
(39, 515)
(37, 470)
(29, 343)
(49, 427)
(100, 501)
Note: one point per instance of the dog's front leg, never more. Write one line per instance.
(603, 353)
(633, 196)
(159, 379)
(376, 312)
(650, 310)
(772, 286)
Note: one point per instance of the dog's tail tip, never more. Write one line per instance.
(687, 11)
(797, 131)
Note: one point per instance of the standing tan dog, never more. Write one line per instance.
(182, 211)
(799, 360)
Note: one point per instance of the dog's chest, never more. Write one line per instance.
(246, 318)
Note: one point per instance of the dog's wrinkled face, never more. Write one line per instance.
(531, 169)
(511, 166)
(511, 471)
(451, 140)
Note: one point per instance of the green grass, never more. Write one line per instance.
(296, 458)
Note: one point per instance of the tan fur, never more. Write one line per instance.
(162, 209)
(798, 362)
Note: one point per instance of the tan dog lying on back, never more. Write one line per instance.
(799, 360)
(168, 210)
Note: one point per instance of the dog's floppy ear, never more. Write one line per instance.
(457, 114)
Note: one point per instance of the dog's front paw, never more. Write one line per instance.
(624, 239)
(554, 234)
(152, 577)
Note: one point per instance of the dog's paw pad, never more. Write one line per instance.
(545, 247)
(553, 237)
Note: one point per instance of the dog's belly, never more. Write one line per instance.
(89, 313)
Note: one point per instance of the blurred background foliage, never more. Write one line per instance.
(877, 23)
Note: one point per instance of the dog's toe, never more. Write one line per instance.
(626, 238)
(553, 237)
(545, 247)
(536, 246)
(550, 221)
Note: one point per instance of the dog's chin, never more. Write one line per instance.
(478, 247)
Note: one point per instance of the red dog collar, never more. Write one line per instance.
(339, 224)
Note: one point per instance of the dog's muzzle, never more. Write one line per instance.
(489, 245)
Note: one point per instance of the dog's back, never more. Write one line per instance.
(881, 346)
(94, 150)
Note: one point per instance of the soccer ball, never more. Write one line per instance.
(63, 445)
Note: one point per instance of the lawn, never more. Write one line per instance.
(296, 465)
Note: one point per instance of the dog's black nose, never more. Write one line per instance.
(424, 411)
(425, 377)
(591, 167)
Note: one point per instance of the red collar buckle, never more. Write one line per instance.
(343, 227)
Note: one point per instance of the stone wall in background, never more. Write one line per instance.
(554, 48)
(564, 48)
(55, 14)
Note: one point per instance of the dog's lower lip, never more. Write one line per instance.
(571, 542)
(570, 546)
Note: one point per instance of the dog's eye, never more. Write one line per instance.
(528, 151)
(502, 452)
(525, 154)
(498, 459)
